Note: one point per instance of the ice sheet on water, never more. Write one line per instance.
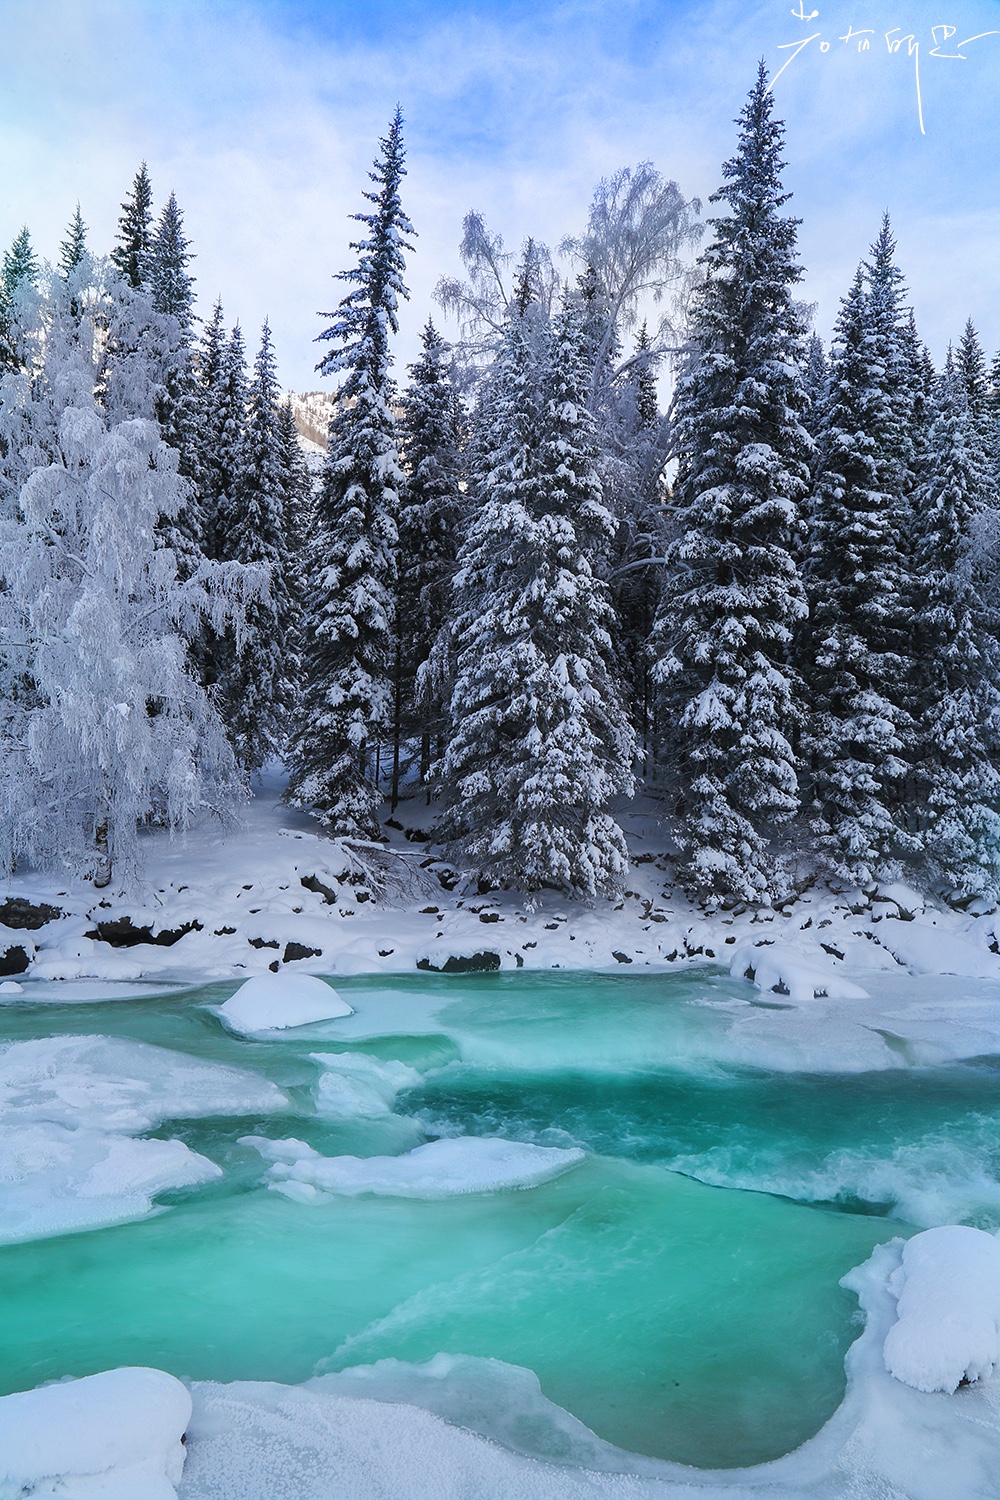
(325, 1439)
(356, 1084)
(113, 1436)
(69, 1109)
(276, 1002)
(54, 1180)
(439, 1169)
(108, 1083)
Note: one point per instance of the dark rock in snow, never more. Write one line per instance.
(476, 963)
(14, 960)
(119, 932)
(311, 883)
(25, 915)
(294, 951)
(622, 958)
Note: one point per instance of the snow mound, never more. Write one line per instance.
(54, 1180)
(929, 950)
(440, 1169)
(275, 1002)
(354, 1083)
(114, 1436)
(106, 1083)
(947, 1288)
(782, 968)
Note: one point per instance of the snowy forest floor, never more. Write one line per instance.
(847, 976)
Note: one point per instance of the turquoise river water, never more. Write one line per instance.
(677, 1290)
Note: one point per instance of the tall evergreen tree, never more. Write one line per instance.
(224, 413)
(857, 652)
(632, 465)
(347, 707)
(734, 595)
(430, 439)
(539, 744)
(18, 273)
(20, 263)
(171, 284)
(74, 246)
(257, 683)
(131, 251)
(957, 654)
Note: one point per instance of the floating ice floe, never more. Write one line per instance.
(440, 1169)
(356, 1084)
(108, 1083)
(113, 1436)
(785, 970)
(275, 1002)
(947, 1290)
(54, 1180)
(70, 1107)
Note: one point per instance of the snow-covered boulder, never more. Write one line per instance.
(783, 969)
(274, 1002)
(947, 1291)
(113, 1436)
(924, 949)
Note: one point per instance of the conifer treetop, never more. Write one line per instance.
(131, 253)
(74, 246)
(369, 313)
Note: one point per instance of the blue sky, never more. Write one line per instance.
(263, 115)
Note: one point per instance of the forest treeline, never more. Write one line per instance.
(517, 587)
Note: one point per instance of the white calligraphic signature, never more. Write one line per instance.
(898, 43)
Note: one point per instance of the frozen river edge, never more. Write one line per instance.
(118, 1435)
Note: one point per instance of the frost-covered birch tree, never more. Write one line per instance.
(104, 728)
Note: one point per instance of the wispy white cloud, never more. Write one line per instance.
(264, 117)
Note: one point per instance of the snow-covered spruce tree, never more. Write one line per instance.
(74, 246)
(135, 227)
(430, 436)
(171, 291)
(540, 744)
(18, 275)
(733, 595)
(221, 430)
(347, 697)
(108, 730)
(856, 653)
(632, 472)
(256, 686)
(957, 653)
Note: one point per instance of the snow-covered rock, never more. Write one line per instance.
(113, 1436)
(275, 1002)
(947, 1290)
(931, 950)
(787, 971)
(440, 1169)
